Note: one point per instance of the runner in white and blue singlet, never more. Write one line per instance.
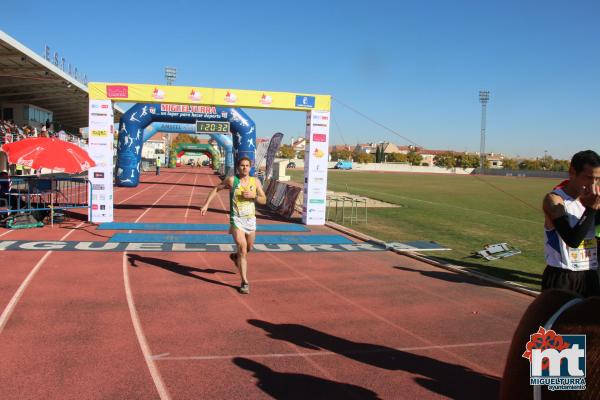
(571, 215)
(245, 191)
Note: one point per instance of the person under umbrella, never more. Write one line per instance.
(50, 153)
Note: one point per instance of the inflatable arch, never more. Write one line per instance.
(198, 148)
(138, 117)
(222, 140)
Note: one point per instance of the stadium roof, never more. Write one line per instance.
(26, 77)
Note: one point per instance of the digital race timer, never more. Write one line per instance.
(212, 127)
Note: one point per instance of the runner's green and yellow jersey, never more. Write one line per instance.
(239, 206)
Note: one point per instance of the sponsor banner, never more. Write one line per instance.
(305, 101)
(272, 150)
(289, 202)
(261, 152)
(99, 133)
(319, 137)
(277, 195)
(117, 91)
(101, 139)
(316, 158)
(142, 93)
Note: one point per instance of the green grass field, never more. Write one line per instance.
(461, 212)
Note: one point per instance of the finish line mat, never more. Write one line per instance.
(140, 226)
(226, 239)
(46, 245)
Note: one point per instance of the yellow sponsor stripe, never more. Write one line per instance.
(144, 93)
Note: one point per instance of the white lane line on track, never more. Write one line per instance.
(15, 299)
(167, 357)
(187, 210)
(6, 232)
(137, 326)
(377, 316)
(157, 200)
(150, 185)
(135, 319)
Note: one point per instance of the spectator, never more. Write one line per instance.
(4, 188)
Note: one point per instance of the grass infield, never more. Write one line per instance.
(461, 212)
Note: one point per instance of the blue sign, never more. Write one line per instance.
(305, 101)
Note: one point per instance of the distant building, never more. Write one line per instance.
(390, 148)
(155, 147)
(368, 148)
(495, 160)
(408, 149)
(299, 146)
(429, 155)
(340, 147)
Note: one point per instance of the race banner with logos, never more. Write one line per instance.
(316, 157)
(226, 97)
(272, 150)
(100, 148)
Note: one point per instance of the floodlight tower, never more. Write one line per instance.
(170, 75)
(484, 97)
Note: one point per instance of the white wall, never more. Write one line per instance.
(393, 167)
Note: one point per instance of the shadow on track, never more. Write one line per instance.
(285, 385)
(451, 380)
(173, 266)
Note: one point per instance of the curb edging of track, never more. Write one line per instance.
(450, 267)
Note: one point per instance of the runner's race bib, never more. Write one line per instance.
(585, 256)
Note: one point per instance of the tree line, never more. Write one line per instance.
(447, 160)
(460, 160)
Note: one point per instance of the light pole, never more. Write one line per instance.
(484, 97)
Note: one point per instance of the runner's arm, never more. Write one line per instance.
(225, 184)
(261, 197)
(572, 236)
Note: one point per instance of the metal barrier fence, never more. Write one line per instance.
(40, 196)
(358, 209)
(523, 173)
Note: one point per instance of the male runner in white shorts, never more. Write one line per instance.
(244, 191)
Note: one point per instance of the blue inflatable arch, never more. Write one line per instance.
(137, 118)
(222, 140)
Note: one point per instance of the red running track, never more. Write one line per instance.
(362, 325)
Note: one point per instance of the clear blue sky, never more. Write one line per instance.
(415, 67)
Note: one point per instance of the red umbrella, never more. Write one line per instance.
(54, 154)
